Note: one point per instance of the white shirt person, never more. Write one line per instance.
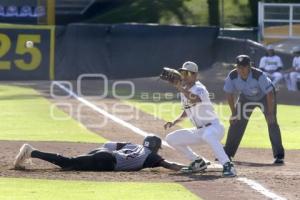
(271, 64)
(294, 75)
(207, 127)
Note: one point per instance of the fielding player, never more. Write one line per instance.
(208, 129)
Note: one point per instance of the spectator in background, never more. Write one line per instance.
(294, 72)
(271, 64)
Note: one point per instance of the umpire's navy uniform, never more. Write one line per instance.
(252, 93)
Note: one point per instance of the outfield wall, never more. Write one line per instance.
(130, 50)
(20, 63)
(118, 51)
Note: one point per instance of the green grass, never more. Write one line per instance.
(193, 12)
(199, 12)
(31, 189)
(256, 135)
(25, 115)
(236, 12)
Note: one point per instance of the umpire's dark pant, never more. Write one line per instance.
(236, 130)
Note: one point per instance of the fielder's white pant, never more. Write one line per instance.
(212, 135)
(294, 78)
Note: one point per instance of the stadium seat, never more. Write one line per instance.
(12, 11)
(2, 11)
(39, 11)
(26, 11)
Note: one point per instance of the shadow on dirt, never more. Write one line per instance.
(195, 177)
(254, 164)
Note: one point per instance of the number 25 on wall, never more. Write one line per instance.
(21, 49)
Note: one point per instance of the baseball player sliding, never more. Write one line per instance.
(208, 129)
(112, 156)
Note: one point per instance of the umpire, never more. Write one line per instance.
(254, 89)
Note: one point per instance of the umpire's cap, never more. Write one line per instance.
(152, 142)
(243, 61)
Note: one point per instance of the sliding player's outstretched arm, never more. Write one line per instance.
(171, 165)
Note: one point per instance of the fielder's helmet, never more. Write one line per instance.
(152, 142)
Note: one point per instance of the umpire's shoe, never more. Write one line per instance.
(278, 161)
(25, 153)
(229, 170)
(198, 165)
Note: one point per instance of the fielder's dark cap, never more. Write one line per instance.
(243, 61)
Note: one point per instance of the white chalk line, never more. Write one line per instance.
(253, 184)
(106, 114)
(260, 189)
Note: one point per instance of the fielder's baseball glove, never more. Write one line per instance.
(170, 75)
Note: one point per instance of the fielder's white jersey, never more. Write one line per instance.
(296, 63)
(202, 112)
(270, 63)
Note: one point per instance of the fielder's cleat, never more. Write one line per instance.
(25, 153)
(197, 165)
(278, 161)
(229, 170)
(206, 161)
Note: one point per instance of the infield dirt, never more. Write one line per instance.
(255, 164)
